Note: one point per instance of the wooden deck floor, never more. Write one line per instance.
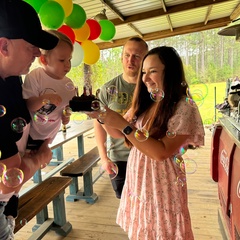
(97, 221)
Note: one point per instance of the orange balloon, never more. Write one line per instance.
(82, 34)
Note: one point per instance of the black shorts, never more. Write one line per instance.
(119, 180)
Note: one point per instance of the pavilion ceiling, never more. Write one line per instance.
(156, 19)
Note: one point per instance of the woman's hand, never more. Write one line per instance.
(108, 166)
(109, 118)
(111, 121)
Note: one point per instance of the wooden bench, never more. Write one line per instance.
(82, 167)
(37, 178)
(36, 200)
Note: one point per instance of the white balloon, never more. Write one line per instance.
(77, 55)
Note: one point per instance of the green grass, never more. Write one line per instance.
(207, 108)
(78, 116)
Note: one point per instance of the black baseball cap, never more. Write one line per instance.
(19, 20)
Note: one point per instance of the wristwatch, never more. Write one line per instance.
(127, 130)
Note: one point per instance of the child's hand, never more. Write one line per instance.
(52, 98)
(65, 119)
(67, 111)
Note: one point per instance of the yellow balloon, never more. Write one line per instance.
(82, 34)
(91, 52)
(67, 6)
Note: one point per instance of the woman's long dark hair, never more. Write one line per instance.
(174, 87)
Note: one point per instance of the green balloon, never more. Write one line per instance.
(36, 4)
(77, 18)
(52, 15)
(108, 30)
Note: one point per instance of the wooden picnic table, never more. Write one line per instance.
(75, 129)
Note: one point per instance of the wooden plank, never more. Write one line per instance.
(82, 165)
(76, 129)
(42, 230)
(58, 168)
(50, 173)
(39, 197)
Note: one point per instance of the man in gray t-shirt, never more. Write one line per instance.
(133, 52)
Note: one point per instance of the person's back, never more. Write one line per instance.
(117, 94)
(47, 91)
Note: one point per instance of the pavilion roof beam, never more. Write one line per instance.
(135, 29)
(160, 12)
(217, 23)
(208, 14)
(167, 16)
(111, 7)
(235, 14)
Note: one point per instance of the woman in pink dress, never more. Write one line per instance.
(160, 126)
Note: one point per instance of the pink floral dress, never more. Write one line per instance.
(153, 206)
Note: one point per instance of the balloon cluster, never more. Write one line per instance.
(71, 19)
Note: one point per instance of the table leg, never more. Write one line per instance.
(61, 226)
(57, 153)
(80, 142)
(37, 177)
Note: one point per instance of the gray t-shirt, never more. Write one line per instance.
(119, 102)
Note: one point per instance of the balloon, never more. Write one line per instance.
(82, 33)
(77, 18)
(95, 29)
(51, 14)
(77, 55)
(67, 31)
(108, 30)
(91, 52)
(36, 4)
(67, 6)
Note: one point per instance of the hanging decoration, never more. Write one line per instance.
(95, 29)
(77, 55)
(82, 34)
(71, 19)
(36, 4)
(77, 17)
(51, 15)
(108, 30)
(67, 31)
(67, 6)
(91, 52)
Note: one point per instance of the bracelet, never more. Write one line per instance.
(100, 121)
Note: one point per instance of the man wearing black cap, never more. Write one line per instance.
(21, 36)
